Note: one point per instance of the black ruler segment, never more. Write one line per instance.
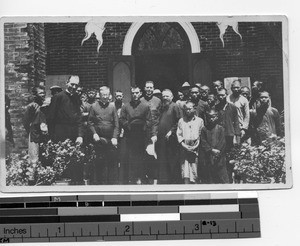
(81, 218)
(12, 205)
(144, 203)
(117, 203)
(29, 211)
(197, 202)
(221, 215)
(248, 201)
(171, 202)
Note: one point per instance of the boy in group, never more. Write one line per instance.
(188, 135)
(213, 146)
(34, 122)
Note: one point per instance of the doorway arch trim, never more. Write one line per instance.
(187, 26)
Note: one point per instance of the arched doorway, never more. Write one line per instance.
(166, 52)
(161, 52)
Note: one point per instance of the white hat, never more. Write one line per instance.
(151, 150)
(156, 91)
(186, 84)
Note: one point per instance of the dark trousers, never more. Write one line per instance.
(122, 161)
(105, 169)
(65, 131)
(135, 142)
(203, 168)
(169, 171)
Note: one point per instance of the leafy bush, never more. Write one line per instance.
(54, 159)
(260, 164)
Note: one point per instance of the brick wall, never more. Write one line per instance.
(24, 60)
(67, 56)
(258, 55)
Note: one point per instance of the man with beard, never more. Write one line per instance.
(167, 146)
(34, 122)
(136, 121)
(64, 113)
(200, 105)
(104, 124)
(266, 120)
(242, 105)
(155, 108)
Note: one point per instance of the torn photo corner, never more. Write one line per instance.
(144, 104)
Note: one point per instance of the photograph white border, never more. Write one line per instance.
(157, 188)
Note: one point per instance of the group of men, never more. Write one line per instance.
(153, 139)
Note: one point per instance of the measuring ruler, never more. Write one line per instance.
(125, 218)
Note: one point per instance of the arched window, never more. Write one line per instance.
(160, 38)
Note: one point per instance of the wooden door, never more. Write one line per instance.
(201, 69)
(121, 75)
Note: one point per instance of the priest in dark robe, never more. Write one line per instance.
(167, 145)
(136, 121)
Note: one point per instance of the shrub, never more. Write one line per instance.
(260, 164)
(54, 159)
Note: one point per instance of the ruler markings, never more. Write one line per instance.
(76, 219)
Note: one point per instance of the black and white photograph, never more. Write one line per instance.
(145, 103)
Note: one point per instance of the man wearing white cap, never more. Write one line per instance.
(185, 89)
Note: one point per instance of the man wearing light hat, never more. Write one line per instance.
(185, 89)
(55, 89)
